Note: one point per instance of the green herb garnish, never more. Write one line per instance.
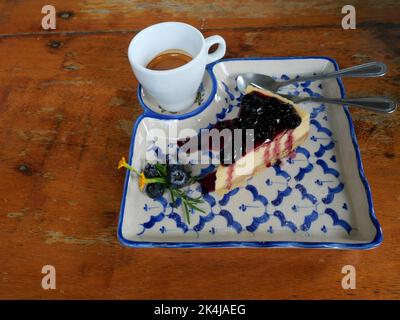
(164, 179)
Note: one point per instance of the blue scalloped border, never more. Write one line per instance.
(265, 244)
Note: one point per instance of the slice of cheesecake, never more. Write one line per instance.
(277, 133)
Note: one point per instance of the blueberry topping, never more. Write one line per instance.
(237, 123)
(208, 183)
(223, 125)
(267, 116)
(294, 121)
(155, 190)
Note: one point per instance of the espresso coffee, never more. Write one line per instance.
(169, 59)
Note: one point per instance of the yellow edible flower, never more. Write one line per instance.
(122, 164)
(142, 181)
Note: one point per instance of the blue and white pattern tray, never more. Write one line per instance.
(318, 199)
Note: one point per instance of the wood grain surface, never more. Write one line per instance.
(67, 107)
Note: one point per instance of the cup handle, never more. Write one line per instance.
(217, 54)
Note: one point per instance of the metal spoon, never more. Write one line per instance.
(371, 69)
(376, 104)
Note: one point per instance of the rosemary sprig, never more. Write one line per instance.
(193, 180)
(172, 197)
(188, 202)
(162, 169)
(186, 212)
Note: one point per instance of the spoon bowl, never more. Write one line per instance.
(257, 80)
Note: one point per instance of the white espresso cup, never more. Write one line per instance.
(174, 89)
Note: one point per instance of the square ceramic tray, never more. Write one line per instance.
(318, 199)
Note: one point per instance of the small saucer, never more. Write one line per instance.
(204, 97)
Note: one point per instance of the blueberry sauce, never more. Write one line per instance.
(208, 183)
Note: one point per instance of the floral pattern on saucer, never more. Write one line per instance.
(203, 94)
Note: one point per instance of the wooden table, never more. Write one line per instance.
(67, 106)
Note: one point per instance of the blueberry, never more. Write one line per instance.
(155, 190)
(277, 121)
(150, 171)
(226, 124)
(246, 105)
(260, 110)
(177, 176)
(260, 135)
(251, 123)
(258, 99)
(294, 121)
(237, 123)
(286, 109)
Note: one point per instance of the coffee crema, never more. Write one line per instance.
(169, 59)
